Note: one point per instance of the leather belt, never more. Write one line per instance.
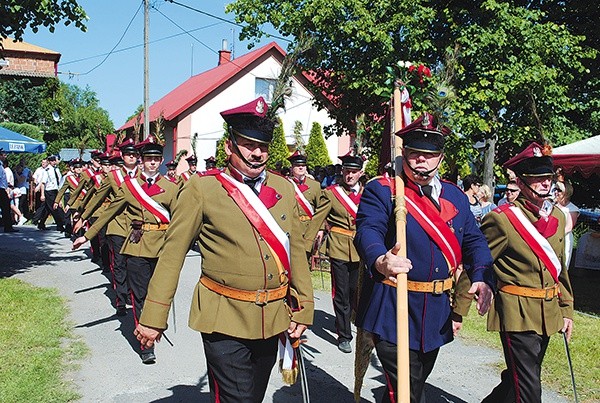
(259, 297)
(435, 287)
(343, 231)
(548, 293)
(154, 227)
(305, 218)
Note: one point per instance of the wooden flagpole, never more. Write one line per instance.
(403, 367)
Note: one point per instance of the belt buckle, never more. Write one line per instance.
(550, 293)
(435, 287)
(262, 297)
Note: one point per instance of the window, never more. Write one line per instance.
(264, 87)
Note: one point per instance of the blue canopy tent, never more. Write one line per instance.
(13, 142)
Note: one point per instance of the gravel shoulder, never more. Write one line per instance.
(113, 371)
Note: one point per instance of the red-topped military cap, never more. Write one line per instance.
(352, 161)
(150, 147)
(210, 162)
(297, 158)
(534, 160)
(76, 163)
(192, 160)
(127, 146)
(104, 158)
(424, 134)
(95, 154)
(116, 158)
(249, 121)
(171, 164)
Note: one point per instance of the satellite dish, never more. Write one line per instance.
(56, 116)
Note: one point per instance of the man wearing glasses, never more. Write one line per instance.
(511, 193)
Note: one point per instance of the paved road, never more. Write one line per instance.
(113, 371)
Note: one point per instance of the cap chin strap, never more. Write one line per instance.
(538, 194)
(238, 152)
(423, 174)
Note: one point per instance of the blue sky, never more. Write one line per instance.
(173, 55)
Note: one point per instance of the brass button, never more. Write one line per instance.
(266, 257)
(270, 276)
(283, 217)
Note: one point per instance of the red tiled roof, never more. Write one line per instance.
(199, 86)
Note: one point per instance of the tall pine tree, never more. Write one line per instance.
(316, 150)
(278, 149)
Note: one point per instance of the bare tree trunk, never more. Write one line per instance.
(488, 161)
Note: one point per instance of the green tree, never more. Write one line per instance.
(20, 101)
(278, 149)
(17, 15)
(316, 150)
(514, 73)
(220, 156)
(74, 116)
(298, 140)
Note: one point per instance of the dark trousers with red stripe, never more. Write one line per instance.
(119, 270)
(139, 273)
(344, 282)
(238, 369)
(521, 381)
(421, 365)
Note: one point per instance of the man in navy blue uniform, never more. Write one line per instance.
(441, 234)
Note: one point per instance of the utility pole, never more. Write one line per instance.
(146, 72)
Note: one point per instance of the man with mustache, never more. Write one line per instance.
(255, 288)
(534, 298)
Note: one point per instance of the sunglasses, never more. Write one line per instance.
(512, 190)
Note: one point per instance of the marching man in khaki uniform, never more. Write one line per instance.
(311, 199)
(534, 298)
(341, 217)
(117, 229)
(148, 200)
(255, 286)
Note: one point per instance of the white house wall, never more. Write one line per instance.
(207, 122)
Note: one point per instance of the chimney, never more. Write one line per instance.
(224, 53)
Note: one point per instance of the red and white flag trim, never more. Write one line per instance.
(343, 198)
(540, 245)
(73, 181)
(259, 216)
(302, 201)
(118, 176)
(161, 213)
(447, 243)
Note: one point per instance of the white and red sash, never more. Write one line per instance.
(302, 201)
(117, 175)
(185, 176)
(343, 198)
(89, 172)
(435, 227)
(97, 179)
(259, 216)
(161, 213)
(539, 245)
(73, 181)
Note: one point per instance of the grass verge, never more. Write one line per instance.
(555, 369)
(38, 347)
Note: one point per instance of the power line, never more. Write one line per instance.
(225, 20)
(119, 41)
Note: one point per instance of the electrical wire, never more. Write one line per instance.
(119, 41)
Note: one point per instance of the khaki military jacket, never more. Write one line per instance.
(163, 192)
(108, 190)
(91, 195)
(340, 246)
(85, 182)
(67, 186)
(515, 263)
(233, 254)
(317, 199)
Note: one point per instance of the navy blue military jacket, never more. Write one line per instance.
(430, 324)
